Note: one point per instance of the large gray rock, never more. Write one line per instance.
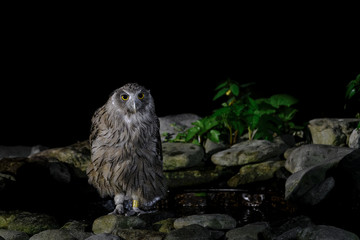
(312, 154)
(332, 131)
(171, 125)
(248, 152)
(354, 140)
(311, 185)
(139, 234)
(181, 155)
(323, 232)
(213, 221)
(255, 172)
(247, 232)
(13, 235)
(104, 236)
(191, 232)
(53, 234)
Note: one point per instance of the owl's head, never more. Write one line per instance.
(132, 98)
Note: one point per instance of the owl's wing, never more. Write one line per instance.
(96, 121)
(158, 144)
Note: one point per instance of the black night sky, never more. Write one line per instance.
(54, 77)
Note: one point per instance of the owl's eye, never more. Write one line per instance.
(141, 96)
(125, 97)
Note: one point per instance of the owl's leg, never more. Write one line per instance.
(119, 202)
(135, 208)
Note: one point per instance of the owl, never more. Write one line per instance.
(126, 155)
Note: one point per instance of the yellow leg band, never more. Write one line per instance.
(135, 204)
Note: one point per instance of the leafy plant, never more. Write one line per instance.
(353, 89)
(262, 118)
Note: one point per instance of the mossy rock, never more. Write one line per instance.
(32, 223)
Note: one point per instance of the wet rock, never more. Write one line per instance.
(312, 154)
(181, 155)
(255, 172)
(171, 125)
(323, 232)
(76, 155)
(109, 223)
(13, 235)
(139, 234)
(31, 223)
(213, 221)
(247, 152)
(332, 131)
(247, 232)
(354, 140)
(194, 177)
(190, 232)
(104, 236)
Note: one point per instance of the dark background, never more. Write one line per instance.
(55, 75)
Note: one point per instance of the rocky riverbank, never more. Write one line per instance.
(299, 189)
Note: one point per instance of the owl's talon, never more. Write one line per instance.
(119, 210)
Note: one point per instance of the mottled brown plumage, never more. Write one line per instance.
(126, 156)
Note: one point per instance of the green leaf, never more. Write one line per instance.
(234, 89)
(282, 100)
(191, 132)
(220, 93)
(214, 135)
(222, 85)
(287, 114)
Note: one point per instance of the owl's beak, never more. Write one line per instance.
(134, 106)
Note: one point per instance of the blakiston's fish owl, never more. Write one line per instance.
(126, 155)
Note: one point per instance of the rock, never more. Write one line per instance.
(104, 236)
(213, 221)
(194, 177)
(286, 230)
(323, 232)
(13, 235)
(247, 152)
(19, 151)
(313, 181)
(76, 229)
(354, 139)
(53, 234)
(139, 234)
(6, 181)
(76, 155)
(255, 173)
(312, 154)
(109, 223)
(181, 155)
(247, 232)
(164, 226)
(332, 131)
(32, 223)
(191, 232)
(213, 147)
(171, 125)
